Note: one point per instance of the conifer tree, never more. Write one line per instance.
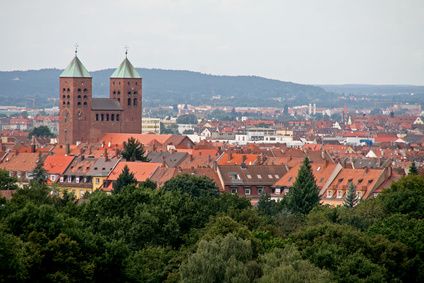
(125, 179)
(134, 151)
(413, 170)
(304, 195)
(351, 199)
(39, 173)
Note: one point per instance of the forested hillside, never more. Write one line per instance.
(186, 232)
(166, 87)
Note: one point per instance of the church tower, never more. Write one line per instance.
(125, 87)
(74, 103)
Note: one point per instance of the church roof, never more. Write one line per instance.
(105, 104)
(126, 71)
(75, 69)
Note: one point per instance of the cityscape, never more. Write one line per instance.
(135, 173)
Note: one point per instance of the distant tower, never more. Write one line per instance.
(74, 103)
(125, 87)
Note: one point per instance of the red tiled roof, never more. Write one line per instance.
(141, 170)
(57, 164)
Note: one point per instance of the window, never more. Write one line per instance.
(97, 181)
(64, 89)
(64, 102)
(85, 90)
(134, 92)
(119, 100)
(270, 176)
(52, 178)
(68, 96)
(79, 96)
(85, 96)
(85, 103)
(119, 92)
(259, 176)
(107, 117)
(260, 190)
(329, 194)
(247, 192)
(79, 90)
(129, 93)
(249, 176)
(112, 117)
(114, 92)
(339, 193)
(370, 181)
(135, 102)
(117, 117)
(97, 117)
(69, 179)
(276, 176)
(68, 90)
(61, 179)
(79, 102)
(64, 96)
(234, 190)
(360, 181)
(129, 101)
(102, 117)
(77, 180)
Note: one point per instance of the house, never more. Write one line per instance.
(56, 165)
(21, 165)
(101, 169)
(250, 181)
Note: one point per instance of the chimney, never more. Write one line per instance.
(68, 148)
(106, 155)
(33, 146)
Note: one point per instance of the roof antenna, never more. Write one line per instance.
(126, 50)
(76, 49)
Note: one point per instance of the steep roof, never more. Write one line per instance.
(126, 71)
(105, 104)
(57, 164)
(75, 69)
(141, 170)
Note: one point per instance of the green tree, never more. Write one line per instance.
(267, 206)
(351, 199)
(39, 174)
(134, 151)
(42, 131)
(287, 265)
(7, 182)
(187, 119)
(304, 195)
(197, 186)
(125, 179)
(413, 170)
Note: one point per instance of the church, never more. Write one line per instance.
(85, 119)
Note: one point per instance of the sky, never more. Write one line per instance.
(304, 41)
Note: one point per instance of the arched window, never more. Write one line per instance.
(128, 83)
(79, 96)
(85, 96)
(64, 89)
(64, 102)
(68, 103)
(79, 103)
(64, 96)
(85, 90)
(68, 96)
(112, 117)
(68, 90)
(134, 92)
(117, 117)
(85, 103)
(129, 93)
(79, 90)
(135, 102)
(107, 117)
(114, 92)
(119, 92)
(129, 101)
(119, 100)
(97, 117)
(102, 117)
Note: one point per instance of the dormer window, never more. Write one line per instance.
(270, 176)
(339, 193)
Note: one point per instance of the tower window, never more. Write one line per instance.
(68, 103)
(68, 90)
(64, 96)
(129, 93)
(117, 117)
(79, 90)
(85, 96)
(102, 117)
(64, 89)
(134, 92)
(112, 117)
(107, 117)
(79, 96)
(119, 92)
(129, 101)
(64, 102)
(114, 92)
(68, 96)
(128, 83)
(119, 100)
(79, 103)
(85, 90)
(113, 83)
(97, 117)
(85, 103)
(135, 101)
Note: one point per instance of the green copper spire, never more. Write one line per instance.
(126, 70)
(75, 69)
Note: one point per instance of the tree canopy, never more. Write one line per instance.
(134, 151)
(41, 131)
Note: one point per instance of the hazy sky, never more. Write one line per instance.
(315, 41)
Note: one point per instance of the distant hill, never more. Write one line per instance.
(167, 87)
(366, 89)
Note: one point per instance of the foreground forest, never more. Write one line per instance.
(187, 232)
